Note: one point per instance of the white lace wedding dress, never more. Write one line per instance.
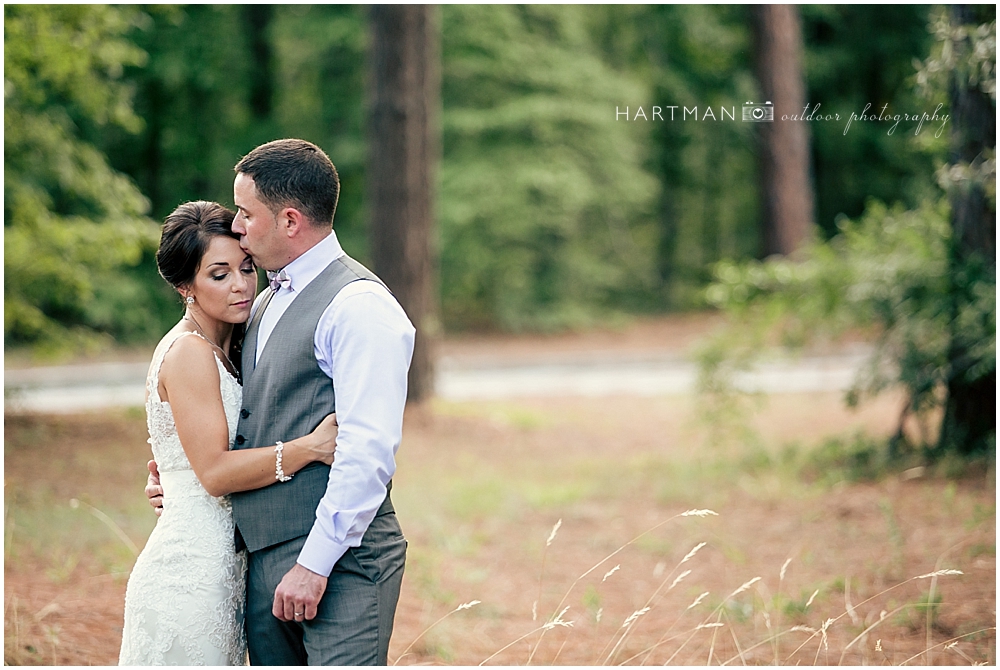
(185, 597)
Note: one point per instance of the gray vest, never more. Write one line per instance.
(285, 396)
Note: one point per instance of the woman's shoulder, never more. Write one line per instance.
(189, 352)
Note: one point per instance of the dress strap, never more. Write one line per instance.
(153, 377)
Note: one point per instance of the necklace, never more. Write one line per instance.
(209, 340)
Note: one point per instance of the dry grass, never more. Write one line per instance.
(790, 570)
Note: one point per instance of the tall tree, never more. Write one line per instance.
(969, 423)
(404, 95)
(257, 18)
(786, 188)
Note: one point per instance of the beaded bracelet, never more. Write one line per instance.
(279, 474)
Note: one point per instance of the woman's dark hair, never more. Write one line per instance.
(186, 234)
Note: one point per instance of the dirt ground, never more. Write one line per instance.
(509, 503)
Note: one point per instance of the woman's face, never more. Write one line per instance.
(226, 281)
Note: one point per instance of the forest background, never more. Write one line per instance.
(552, 211)
(564, 197)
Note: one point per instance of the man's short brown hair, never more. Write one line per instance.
(294, 173)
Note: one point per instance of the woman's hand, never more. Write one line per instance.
(153, 489)
(323, 440)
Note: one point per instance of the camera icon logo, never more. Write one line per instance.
(757, 112)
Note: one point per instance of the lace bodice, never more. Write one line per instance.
(184, 601)
(167, 450)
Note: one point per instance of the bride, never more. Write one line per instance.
(185, 596)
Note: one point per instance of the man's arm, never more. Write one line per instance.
(364, 342)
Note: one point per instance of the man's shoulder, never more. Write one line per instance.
(366, 301)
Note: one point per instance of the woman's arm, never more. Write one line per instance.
(190, 377)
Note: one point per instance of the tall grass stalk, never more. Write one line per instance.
(717, 613)
(739, 649)
(946, 642)
(830, 622)
(557, 621)
(690, 512)
(110, 523)
(541, 572)
(777, 622)
(463, 606)
(649, 603)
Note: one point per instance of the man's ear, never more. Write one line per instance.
(294, 221)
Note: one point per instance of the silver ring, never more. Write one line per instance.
(299, 613)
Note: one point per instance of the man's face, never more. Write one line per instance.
(261, 236)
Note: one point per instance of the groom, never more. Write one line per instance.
(326, 553)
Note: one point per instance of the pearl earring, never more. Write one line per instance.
(189, 300)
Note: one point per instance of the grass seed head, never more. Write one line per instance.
(679, 578)
(691, 553)
(781, 575)
(697, 601)
(552, 535)
(744, 587)
(941, 573)
(699, 512)
(633, 616)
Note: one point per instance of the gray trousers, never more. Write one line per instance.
(354, 621)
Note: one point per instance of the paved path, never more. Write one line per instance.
(92, 387)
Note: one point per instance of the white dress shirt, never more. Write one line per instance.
(364, 343)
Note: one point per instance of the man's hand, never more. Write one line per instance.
(153, 489)
(297, 596)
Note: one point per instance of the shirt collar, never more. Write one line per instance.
(307, 267)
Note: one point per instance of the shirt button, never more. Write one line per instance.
(244, 413)
(240, 439)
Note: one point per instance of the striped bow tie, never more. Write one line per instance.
(279, 279)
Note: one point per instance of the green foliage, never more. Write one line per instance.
(855, 459)
(888, 273)
(551, 213)
(208, 99)
(708, 209)
(71, 222)
(544, 203)
(319, 53)
(858, 55)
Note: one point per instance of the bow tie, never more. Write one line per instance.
(279, 279)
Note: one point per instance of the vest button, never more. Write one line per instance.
(240, 439)
(244, 413)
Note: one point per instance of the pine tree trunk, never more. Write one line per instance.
(970, 420)
(786, 187)
(403, 98)
(258, 19)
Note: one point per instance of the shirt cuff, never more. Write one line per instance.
(319, 554)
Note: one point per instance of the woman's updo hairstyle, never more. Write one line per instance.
(187, 232)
